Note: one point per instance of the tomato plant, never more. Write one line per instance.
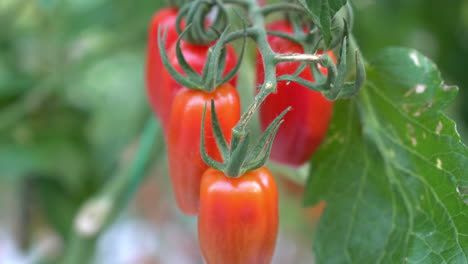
(238, 220)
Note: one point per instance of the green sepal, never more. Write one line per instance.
(211, 68)
(233, 72)
(263, 141)
(186, 68)
(218, 133)
(222, 63)
(180, 17)
(351, 89)
(178, 77)
(205, 157)
(338, 83)
(259, 156)
(234, 166)
(260, 162)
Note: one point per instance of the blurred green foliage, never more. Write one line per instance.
(71, 94)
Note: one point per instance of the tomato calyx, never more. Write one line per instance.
(240, 158)
(332, 86)
(195, 13)
(212, 75)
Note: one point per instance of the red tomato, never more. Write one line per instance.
(306, 124)
(166, 18)
(238, 220)
(195, 56)
(185, 163)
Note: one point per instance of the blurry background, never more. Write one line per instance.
(72, 108)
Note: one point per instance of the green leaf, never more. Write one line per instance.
(59, 159)
(322, 12)
(392, 169)
(113, 90)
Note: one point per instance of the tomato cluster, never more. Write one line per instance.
(237, 217)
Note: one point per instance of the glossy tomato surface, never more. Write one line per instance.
(238, 219)
(166, 19)
(185, 163)
(306, 124)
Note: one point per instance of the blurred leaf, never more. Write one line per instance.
(113, 90)
(59, 159)
(322, 13)
(391, 170)
(59, 204)
(47, 5)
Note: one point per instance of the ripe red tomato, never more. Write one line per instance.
(306, 124)
(166, 18)
(238, 219)
(195, 56)
(185, 163)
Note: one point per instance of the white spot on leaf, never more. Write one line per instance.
(420, 88)
(424, 108)
(439, 164)
(414, 141)
(448, 87)
(415, 58)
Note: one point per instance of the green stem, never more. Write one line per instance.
(281, 7)
(98, 212)
(259, 35)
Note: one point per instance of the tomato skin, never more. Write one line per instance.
(306, 124)
(238, 219)
(196, 56)
(185, 163)
(166, 18)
